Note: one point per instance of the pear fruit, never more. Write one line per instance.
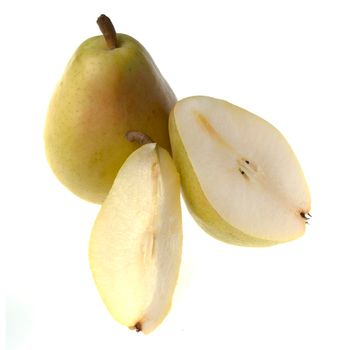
(136, 242)
(110, 85)
(240, 178)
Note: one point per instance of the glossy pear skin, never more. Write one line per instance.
(103, 94)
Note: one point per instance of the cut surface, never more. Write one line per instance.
(245, 168)
(135, 246)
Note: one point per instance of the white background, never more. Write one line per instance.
(287, 61)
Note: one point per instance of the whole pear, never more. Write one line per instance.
(110, 85)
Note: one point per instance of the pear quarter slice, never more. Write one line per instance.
(135, 245)
(240, 178)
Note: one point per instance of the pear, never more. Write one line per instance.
(136, 242)
(110, 85)
(240, 178)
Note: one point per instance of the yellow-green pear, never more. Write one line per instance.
(240, 178)
(110, 85)
(136, 242)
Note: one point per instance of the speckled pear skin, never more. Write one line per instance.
(103, 94)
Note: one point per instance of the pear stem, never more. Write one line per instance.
(107, 28)
(139, 137)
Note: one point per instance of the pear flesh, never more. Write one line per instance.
(104, 93)
(240, 178)
(135, 245)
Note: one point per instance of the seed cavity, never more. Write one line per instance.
(243, 173)
(248, 164)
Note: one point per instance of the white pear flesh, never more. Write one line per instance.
(240, 178)
(136, 242)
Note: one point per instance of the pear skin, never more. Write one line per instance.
(103, 93)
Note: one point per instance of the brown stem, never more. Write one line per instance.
(108, 31)
(139, 137)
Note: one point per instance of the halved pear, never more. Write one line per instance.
(136, 242)
(240, 178)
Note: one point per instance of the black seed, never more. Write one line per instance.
(247, 161)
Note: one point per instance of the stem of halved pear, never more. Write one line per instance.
(107, 28)
(139, 137)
